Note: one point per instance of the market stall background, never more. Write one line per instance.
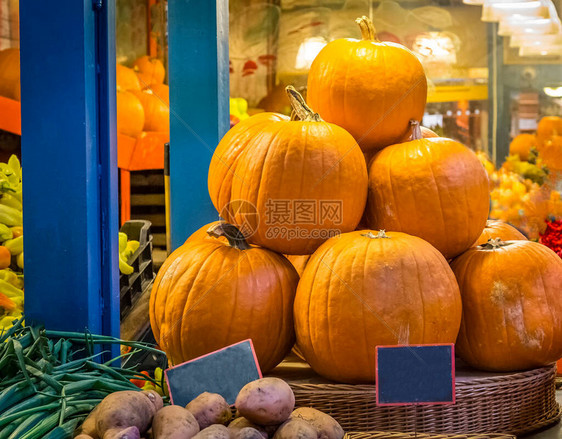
(524, 189)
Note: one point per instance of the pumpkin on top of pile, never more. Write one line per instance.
(368, 209)
(143, 100)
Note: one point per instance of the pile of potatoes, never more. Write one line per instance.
(265, 410)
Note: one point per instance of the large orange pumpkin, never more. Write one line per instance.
(512, 308)
(149, 70)
(126, 78)
(210, 294)
(522, 144)
(433, 188)
(299, 262)
(10, 73)
(499, 229)
(365, 288)
(203, 233)
(371, 88)
(417, 131)
(130, 114)
(162, 91)
(156, 111)
(289, 184)
(547, 127)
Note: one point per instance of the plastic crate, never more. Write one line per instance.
(131, 286)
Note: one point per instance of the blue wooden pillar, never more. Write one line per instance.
(69, 163)
(199, 102)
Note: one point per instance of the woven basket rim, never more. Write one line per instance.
(469, 382)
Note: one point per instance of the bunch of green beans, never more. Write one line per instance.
(50, 381)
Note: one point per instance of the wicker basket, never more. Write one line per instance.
(513, 403)
(395, 435)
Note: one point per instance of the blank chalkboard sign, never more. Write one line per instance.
(420, 374)
(224, 372)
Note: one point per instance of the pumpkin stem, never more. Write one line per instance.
(300, 107)
(416, 130)
(494, 243)
(368, 31)
(234, 236)
(381, 234)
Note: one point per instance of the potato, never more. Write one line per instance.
(296, 428)
(174, 422)
(88, 427)
(83, 436)
(328, 427)
(247, 433)
(216, 431)
(122, 433)
(241, 422)
(124, 409)
(267, 401)
(210, 408)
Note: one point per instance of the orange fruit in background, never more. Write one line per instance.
(149, 70)
(5, 257)
(549, 126)
(522, 144)
(156, 112)
(126, 78)
(550, 153)
(10, 73)
(161, 91)
(130, 114)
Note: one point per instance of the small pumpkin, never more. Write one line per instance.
(369, 87)
(299, 181)
(521, 146)
(130, 114)
(156, 112)
(210, 294)
(365, 289)
(512, 309)
(547, 127)
(126, 78)
(149, 70)
(10, 73)
(434, 188)
(499, 229)
(162, 91)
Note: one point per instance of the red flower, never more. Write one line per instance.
(552, 236)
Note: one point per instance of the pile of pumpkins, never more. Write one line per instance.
(546, 141)
(10, 74)
(411, 258)
(143, 100)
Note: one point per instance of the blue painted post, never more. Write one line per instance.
(69, 165)
(199, 103)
